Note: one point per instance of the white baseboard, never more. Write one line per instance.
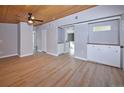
(52, 54)
(39, 50)
(80, 58)
(9, 55)
(29, 54)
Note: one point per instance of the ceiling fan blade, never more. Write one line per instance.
(37, 20)
(27, 16)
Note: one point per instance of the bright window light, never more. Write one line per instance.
(101, 28)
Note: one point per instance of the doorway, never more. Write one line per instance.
(44, 40)
(66, 40)
(34, 42)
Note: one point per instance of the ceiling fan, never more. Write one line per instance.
(31, 19)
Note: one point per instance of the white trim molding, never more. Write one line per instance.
(39, 50)
(9, 55)
(29, 54)
(53, 54)
(84, 59)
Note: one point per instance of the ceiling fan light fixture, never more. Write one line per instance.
(30, 21)
(32, 17)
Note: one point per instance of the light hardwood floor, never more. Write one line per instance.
(43, 70)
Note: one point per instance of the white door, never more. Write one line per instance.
(44, 41)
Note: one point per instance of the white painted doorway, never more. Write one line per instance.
(34, 41)
(44, 40)
(66, 40)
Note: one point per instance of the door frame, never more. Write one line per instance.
(44, 40)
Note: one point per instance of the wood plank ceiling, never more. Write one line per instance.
(47, 13)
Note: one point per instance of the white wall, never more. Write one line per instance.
(122, 40)
(8, 39)
(61, 35)
(90, 14)
(38, 40)
(26, 39)
(81, 33)
(52, 39)
(41, 40)
(44, 40)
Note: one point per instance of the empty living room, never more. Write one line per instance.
(61, 45)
